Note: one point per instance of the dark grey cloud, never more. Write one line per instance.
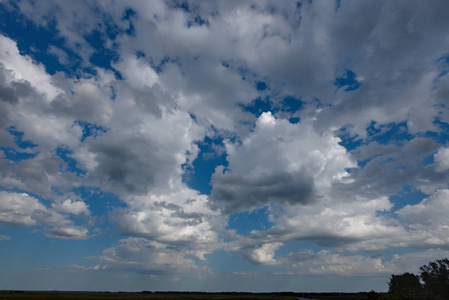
(234, 192)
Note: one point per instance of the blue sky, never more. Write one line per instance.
(222, 146)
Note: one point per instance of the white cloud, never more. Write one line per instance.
(178, 218)
(71, 207)
(21, 209)
(296, 165)
(264, 255)
(192, 81)
(430, 212)
(441, 160)
(68, 233)
(326, 262)
(23, 68)
(146, 257)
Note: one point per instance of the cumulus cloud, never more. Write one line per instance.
(177, 75)
(430, 212)
(23, 68)
(21, 209)
(146, 257)
(326, 262)
(71, 207)
(441, 160)
(296, 164)
(264, 255)
(68, 233)
(180, 218)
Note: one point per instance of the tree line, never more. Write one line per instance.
(432, 283)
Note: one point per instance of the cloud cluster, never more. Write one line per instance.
(372, 80)
(296, 166)
(21, 209)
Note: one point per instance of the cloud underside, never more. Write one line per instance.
(184, 81)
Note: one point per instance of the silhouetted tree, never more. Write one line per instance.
(405, 287)
(372, 295)
(435, 277)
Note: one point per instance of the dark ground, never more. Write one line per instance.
(173, 296)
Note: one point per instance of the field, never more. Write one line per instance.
(132, 296)
(173, 296)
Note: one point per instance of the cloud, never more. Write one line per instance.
(441, 160)
(4, 238)
(71, 207)
(146, 257)
(326, 262)
(180, 218)
(62, 56)
(430, 212)
(177, 75)
(264, 255)
(21, 209)
(23, 68)
(68, 233)
(296, 164)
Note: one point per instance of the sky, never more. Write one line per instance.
(222, 145)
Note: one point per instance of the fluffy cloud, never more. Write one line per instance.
(264, 255)
(178, 74)
(180, 218)
(441, 160)
(326, 262)
(146, 257)
(71, 207)
(279, 162)
(429, 213)
(21, 209)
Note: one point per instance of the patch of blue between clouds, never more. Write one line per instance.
(204, 165)
(349, 141)
(443, 63)
(408, 196)
(98, 200)
(298, 246)
(337, 4)
(390, 133)
(193, 19)
(90, 129)
(103, 57)
(130, 14)
(261, 86)
(14, 155)
(17, 156)
(348, 80)
(70, 163)
(245, 222)
(257, 106)
(159, 66)
(18, 138)
(441, 136)
(288, 104)
(224, 261)
(34, 41)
